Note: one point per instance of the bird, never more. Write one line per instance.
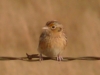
(52, 41)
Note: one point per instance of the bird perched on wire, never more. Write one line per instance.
(52, 41)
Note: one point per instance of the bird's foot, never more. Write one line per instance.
(59, 58)
(40, 58)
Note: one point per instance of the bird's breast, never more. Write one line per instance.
(52, 46)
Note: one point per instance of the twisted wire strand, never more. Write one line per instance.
(35, 57)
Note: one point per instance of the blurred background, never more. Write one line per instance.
(21, 23)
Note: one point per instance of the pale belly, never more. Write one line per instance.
(51, 52)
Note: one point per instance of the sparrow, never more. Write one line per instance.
(52, 41)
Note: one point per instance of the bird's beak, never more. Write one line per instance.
(45, 27)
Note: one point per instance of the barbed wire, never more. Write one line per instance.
(35, 57)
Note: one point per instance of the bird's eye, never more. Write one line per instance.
(53, 27)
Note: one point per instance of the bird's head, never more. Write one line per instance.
(53, 26)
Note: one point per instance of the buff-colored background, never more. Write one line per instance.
(20, 26)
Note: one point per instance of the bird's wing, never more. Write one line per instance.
(43, 35)
(65, 36)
